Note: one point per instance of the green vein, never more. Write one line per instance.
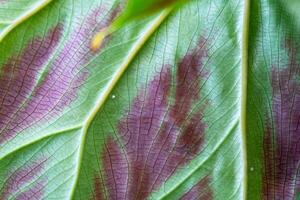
(40, 139)
(23, 18)
(245, 45)
(110, 86)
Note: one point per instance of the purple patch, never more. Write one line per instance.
(59, 87)
(200, 191)
(98, 195)
(35, 192)
(21, 177)
(159, 136)
(18, 76)
(116, 168)
(187, 83)
(282, 150)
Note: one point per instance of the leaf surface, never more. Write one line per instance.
(199, 102)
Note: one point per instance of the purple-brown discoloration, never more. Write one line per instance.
(282, 150)
(99, 193)
(200, 191)
(158, 136)
(18, 76)
(116, 168)
(22, 103)
(22, 177)
(35, 192)
(187, 83)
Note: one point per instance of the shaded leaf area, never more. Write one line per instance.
(134, 9)
(282, 149)
(158, 136)
(292, 6)
(26, 96)
(138, 8)
(21, 177)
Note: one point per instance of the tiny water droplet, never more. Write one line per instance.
(113, 96)
(251, 169)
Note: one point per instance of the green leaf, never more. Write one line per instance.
(134, 9)
(292, 7)
(12, 13)
(138, 8)
(200, 102)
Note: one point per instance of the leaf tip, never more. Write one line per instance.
(98, 39)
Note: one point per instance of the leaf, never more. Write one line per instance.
(292, 7)
(201, 102)
(134, 9)
(12, 13)
(273, 104)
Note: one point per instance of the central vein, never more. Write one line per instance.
(244, 71)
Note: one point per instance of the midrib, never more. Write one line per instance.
(243, 109)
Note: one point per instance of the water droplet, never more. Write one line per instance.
(113, 96)
(251, 169)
